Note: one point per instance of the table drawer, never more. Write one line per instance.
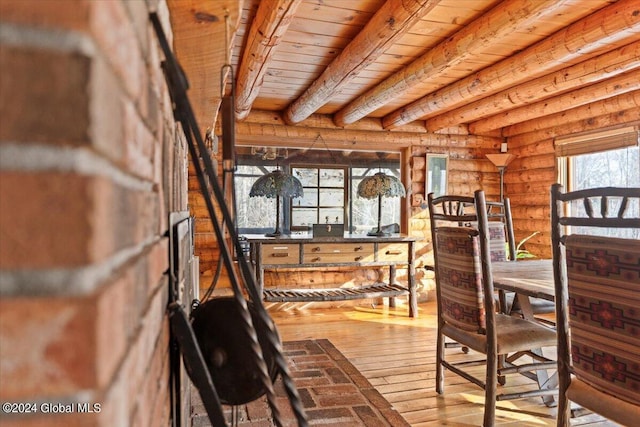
(336, 258)
(320, 253)
(393, 252)
(280, 254)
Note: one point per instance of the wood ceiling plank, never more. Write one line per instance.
(352, 13)
(475, 37)
(269, 26)
(593, 70)
(584, 38)
(376, 37)
(198, 28)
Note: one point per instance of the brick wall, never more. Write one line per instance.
(88, 161)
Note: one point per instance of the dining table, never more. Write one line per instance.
(528, 280)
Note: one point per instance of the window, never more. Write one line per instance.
(324, 197)
(364, 212)
(616, 167)
(329, 191)
(253, 214)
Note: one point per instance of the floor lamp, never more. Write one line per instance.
(501, 160)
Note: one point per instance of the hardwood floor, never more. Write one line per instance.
(397, 355)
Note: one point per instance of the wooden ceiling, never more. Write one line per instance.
(483, 67)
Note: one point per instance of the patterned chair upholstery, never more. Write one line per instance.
(604, 314)
(460, 278)
(463, 279)
(598, 308)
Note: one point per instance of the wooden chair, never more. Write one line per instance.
(463, 278)
(597, 286)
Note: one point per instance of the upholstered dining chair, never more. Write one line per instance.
(465, 315)
(597, 288)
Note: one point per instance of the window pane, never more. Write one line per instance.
(331, 216)
(252, 212)
(332, 178)
(303, 217)
(615, 168)
(310, 198)
(365, 211)
(332, 197)
(307, 176)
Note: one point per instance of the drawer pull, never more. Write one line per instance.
(316, 249)
(316, 259)
(358, 248)
(280, 255)
(393, 252)
(358, 258)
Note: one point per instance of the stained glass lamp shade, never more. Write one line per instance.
(380, 185)
(277, 184)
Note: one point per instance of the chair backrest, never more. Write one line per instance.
(459, 255)
(497, 235)
(500, 225)
(597, 281)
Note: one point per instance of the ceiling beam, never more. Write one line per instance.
(390, 22)
(264, 134)
(472, 39)
(630, 116)
(587, 95)
(607, 106)
(593, 70)
(612, 24)
(267, 30)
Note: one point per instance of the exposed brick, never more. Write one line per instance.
(113, 32)
(341, 389)
(52, 420)
(111, 319)
(340, 399)
(368, 416)
(48, 346)
(107, 112)
(68, 14)
(330, 415)
(44, 96)
(71, 220)
(139, 144)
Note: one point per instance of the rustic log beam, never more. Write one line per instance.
(326, 121)
(269, 26)
(470, 40)
(630, 116)
(270, 135)
(390, 22)
(593, 70)
(611, 25)
(607, 106)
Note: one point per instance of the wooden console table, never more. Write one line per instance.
(304, 251)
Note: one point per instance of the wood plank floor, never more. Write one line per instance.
(397, 355)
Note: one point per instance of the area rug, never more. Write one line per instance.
(332, 391)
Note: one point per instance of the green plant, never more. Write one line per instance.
(523, 253)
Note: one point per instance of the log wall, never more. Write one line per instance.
(527, 179)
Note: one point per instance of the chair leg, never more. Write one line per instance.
(564, 409)
(439, 358)
(502, 379)
(491, 386)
